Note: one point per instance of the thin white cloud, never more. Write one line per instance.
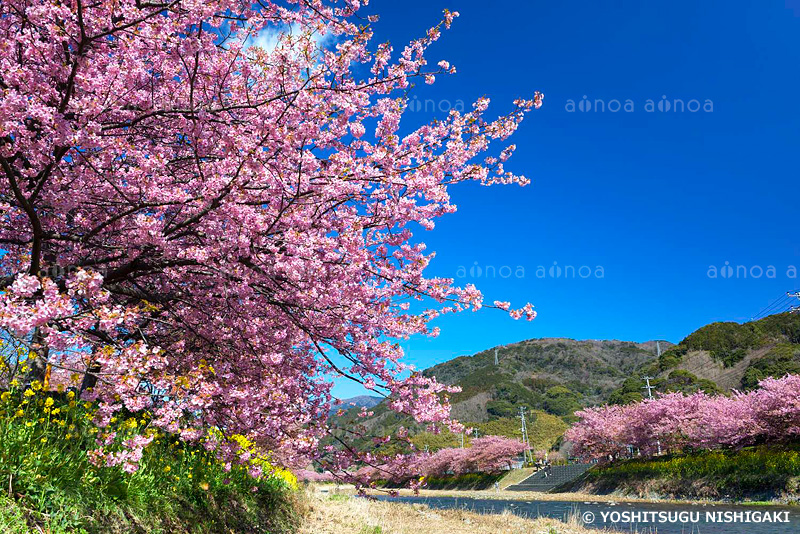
(268, 38)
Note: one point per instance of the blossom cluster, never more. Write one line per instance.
(307, 475)
(675, 422)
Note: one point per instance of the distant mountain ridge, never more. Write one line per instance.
(360, 401)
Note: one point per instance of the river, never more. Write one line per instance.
(643, 518)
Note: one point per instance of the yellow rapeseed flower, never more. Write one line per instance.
(70, 394)
(36, 385)
(20, 413)
(5, 396)
(29, 393)
(48, 402)
(167, 469)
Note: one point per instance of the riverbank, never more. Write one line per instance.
(503, 495)
(525, 496)
(347, 514)
(761, 474)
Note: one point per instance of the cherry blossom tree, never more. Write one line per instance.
(209, 230)
(492, 454)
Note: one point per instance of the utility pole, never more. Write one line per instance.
(650, 389)
(525, 441)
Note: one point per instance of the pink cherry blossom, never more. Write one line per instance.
(203, 229)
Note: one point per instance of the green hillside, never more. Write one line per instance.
(720, 357)
(544, 431)
(556, 376)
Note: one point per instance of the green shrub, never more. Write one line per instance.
(45, 468)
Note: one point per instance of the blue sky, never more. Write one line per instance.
(653, 197)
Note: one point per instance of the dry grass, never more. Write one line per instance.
(342, 514)
(515, 476)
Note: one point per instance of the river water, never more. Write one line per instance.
(643, 518)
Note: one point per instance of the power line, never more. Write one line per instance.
(780, 305)
(777, 305)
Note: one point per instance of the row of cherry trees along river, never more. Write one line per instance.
(675, 422)
(489, 454)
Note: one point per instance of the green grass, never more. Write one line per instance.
(544, 430)
(48, 481)
(758, 473)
